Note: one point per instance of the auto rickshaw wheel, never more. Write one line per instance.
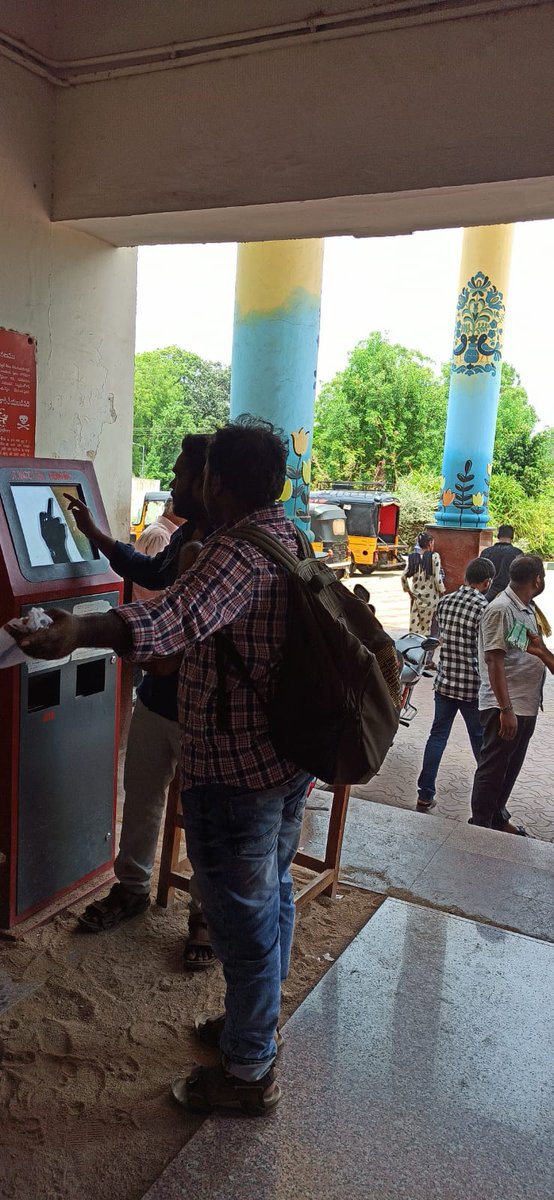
(365, 570)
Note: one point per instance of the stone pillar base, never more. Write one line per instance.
(456, 547)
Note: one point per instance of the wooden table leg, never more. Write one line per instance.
(335, 835)
(170, 846)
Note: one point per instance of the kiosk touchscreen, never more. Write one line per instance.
(58, 735)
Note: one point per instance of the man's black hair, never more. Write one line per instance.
(525, 568)
(250, 457)
(479, 569)
(195, 447)
(506, 531)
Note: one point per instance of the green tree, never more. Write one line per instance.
(176, 392)
(384, 414)
(519, 451)
(166, 434)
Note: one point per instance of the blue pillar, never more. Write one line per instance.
(275, 345)
(475, 378)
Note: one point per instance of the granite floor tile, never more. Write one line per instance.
(512, 895)
(419, 1068)
(383, 847)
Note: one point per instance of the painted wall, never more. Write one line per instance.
(75, 294)
(275, 345)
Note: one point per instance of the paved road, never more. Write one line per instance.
(533, 797)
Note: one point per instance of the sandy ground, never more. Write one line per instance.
(87, 1058)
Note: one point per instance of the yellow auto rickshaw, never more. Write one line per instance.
(152, 508)
(330, 539)
(372, 524)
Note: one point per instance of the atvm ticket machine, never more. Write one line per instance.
(59, 720)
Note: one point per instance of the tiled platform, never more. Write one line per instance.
(492, 877)
(421, 1067)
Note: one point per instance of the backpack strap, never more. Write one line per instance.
(269, 545)
(225, 649)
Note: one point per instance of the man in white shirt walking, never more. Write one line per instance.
(510, 694)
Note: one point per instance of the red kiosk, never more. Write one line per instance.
(58, 732)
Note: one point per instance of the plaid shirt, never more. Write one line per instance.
(230, 585)
(459, 616)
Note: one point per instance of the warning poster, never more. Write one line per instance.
(18, 393)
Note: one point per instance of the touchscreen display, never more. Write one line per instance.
(50, 532)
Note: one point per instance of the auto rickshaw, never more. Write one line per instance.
(328, 526)
(372, 524)
(152, 508)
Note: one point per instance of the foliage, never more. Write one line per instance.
(531, 516)
(176, 392)
(384, 414)
(417, 493)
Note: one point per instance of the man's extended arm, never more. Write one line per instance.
(215, 592)
(154, 572)
(68, 632)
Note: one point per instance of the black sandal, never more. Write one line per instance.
(198, 940)
(118, 906)
(209, 1088)
(208, 1030)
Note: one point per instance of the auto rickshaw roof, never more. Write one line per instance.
(329, 512)
(352, 496)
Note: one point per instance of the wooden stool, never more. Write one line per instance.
(175, 872)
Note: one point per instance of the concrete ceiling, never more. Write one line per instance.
(200, 120)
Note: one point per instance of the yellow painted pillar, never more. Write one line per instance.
(275, 346)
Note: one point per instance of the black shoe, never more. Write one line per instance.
(425, 805)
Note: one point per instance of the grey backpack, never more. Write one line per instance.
(335, 704)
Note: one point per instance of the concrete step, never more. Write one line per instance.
(497, 878)
(419, 1067)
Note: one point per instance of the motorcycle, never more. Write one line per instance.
(411, 651)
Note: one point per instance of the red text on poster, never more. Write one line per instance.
(18, 393)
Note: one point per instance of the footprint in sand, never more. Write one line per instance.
(54, 1037)
(73, 1005)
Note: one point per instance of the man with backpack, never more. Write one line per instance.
(243, 798)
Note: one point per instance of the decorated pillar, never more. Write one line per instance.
(275, 345)
(475, 378)
(462, 516)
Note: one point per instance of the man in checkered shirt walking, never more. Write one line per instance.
(457, 680)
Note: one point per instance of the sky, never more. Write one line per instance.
(405, 287)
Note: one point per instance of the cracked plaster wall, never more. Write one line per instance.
(74, 293)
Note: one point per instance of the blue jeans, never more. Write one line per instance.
(241, 845)
(445, 710)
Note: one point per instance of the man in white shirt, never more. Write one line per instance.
(510, 694)
(155, 538)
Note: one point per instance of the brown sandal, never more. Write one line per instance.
(199, 944)
(209, 1088)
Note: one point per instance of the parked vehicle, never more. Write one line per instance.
(372, 525)
(328, 526)
(412, 650)
(152, 508)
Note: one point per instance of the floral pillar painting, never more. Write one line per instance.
(275, 346)
(475, 377)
